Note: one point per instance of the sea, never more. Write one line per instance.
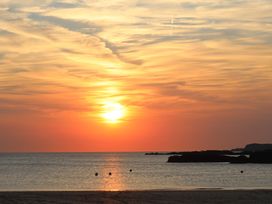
(123, 171)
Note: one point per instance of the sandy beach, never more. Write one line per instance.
(185, 197)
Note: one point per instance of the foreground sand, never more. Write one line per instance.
(123, 197)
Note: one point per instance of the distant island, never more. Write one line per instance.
(251, 153)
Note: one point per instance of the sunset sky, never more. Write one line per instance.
(134, 75)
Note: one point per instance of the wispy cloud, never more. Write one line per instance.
(183, 52)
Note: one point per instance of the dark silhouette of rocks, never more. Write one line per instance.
(257, 147)
(204, 156)
(258, 154)
(158, 153)
(238, 150)
(179, 153)
(261, 157)
(239, 160)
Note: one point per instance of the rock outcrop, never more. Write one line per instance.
(258, 154)
(202, 156)
(257, 147)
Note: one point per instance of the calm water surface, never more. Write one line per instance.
(76, 171)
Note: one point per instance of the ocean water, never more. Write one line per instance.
(76, 171)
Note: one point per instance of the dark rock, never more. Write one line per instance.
(264, 157)
(257, 147)
(160, 153)
(252, 153)
(199, 157)
(261, 157)
(239, 160)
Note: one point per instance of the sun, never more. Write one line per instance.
(113, 112)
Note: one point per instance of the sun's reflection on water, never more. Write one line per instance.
(115, 181)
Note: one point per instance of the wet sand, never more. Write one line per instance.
(124, 197)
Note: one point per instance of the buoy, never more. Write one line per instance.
(130, 170)
(110, 174)
(96, 174)
(242, 172)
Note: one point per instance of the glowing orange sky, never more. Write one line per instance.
(176, 75)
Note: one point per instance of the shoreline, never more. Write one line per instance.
(137, 190)
(147, 196)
